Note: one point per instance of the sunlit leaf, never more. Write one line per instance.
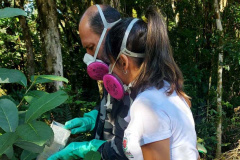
(47, 78)
(44, 104)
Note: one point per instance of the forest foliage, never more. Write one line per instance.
(196, 44)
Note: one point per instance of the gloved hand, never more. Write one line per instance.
(83, 124)
(75, 150)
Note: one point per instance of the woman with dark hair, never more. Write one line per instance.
(161, 125)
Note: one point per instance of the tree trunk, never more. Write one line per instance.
(219, 83)
(223, 4)
(174, 11)
(28, 40)
(116, 4)
(209, 88)
(47, 13)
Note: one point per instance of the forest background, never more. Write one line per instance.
(205, 38)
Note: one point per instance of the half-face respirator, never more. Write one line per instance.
(96, 68)
(112, 83)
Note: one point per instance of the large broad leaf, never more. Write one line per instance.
(92, 156)
(36, 132)
(8, 115)
(47, 78)
(44, 104)
(6, 141)
(34, 95)
(29, 146)
(201, 148)
(12, 76)
(26, 155)
(11, 12)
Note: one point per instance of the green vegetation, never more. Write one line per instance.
(196, 44)
(19, 123)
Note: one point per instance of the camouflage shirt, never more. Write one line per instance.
(110, 126)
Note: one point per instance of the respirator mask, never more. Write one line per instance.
(96, 68)
(112, 83)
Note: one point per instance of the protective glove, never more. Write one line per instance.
(83, 124)
(76, 150)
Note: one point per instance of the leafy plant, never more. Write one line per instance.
(21, 128)
(11, 12)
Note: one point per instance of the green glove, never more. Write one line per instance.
(83, 124)
(76, 150)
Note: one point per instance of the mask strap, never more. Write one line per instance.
(105, 23)
(106, 27)
(114, 64)
(132, 54)
(99, 43)
(123, 49)
(127, 32)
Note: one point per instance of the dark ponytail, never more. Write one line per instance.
(159, 64)
(151, 39)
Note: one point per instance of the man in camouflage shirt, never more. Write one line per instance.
(111, 126)
(108, 117)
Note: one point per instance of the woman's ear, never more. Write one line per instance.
(124, 62)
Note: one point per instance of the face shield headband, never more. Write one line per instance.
(96, 68)
(111, 82)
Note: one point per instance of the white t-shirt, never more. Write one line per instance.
(154, 116)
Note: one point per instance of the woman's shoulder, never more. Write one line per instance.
(149, 99)
(153, 94)
(153, 98)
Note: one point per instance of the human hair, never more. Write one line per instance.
(96, 23)
(152, 39)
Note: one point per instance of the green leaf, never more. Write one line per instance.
(6, 141)
(26, 155)
(11, 12)
(92, 156)
(12, 76)
(29, 146)
(14, 158)
(40, 80)
(199, 140)
(8, 115)
(8, 97)
(47, 78)
(225, 144)
(21, 115)
(34, 95)
(9, 152)
(44, 104)
(201, 148)
(36, 132)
